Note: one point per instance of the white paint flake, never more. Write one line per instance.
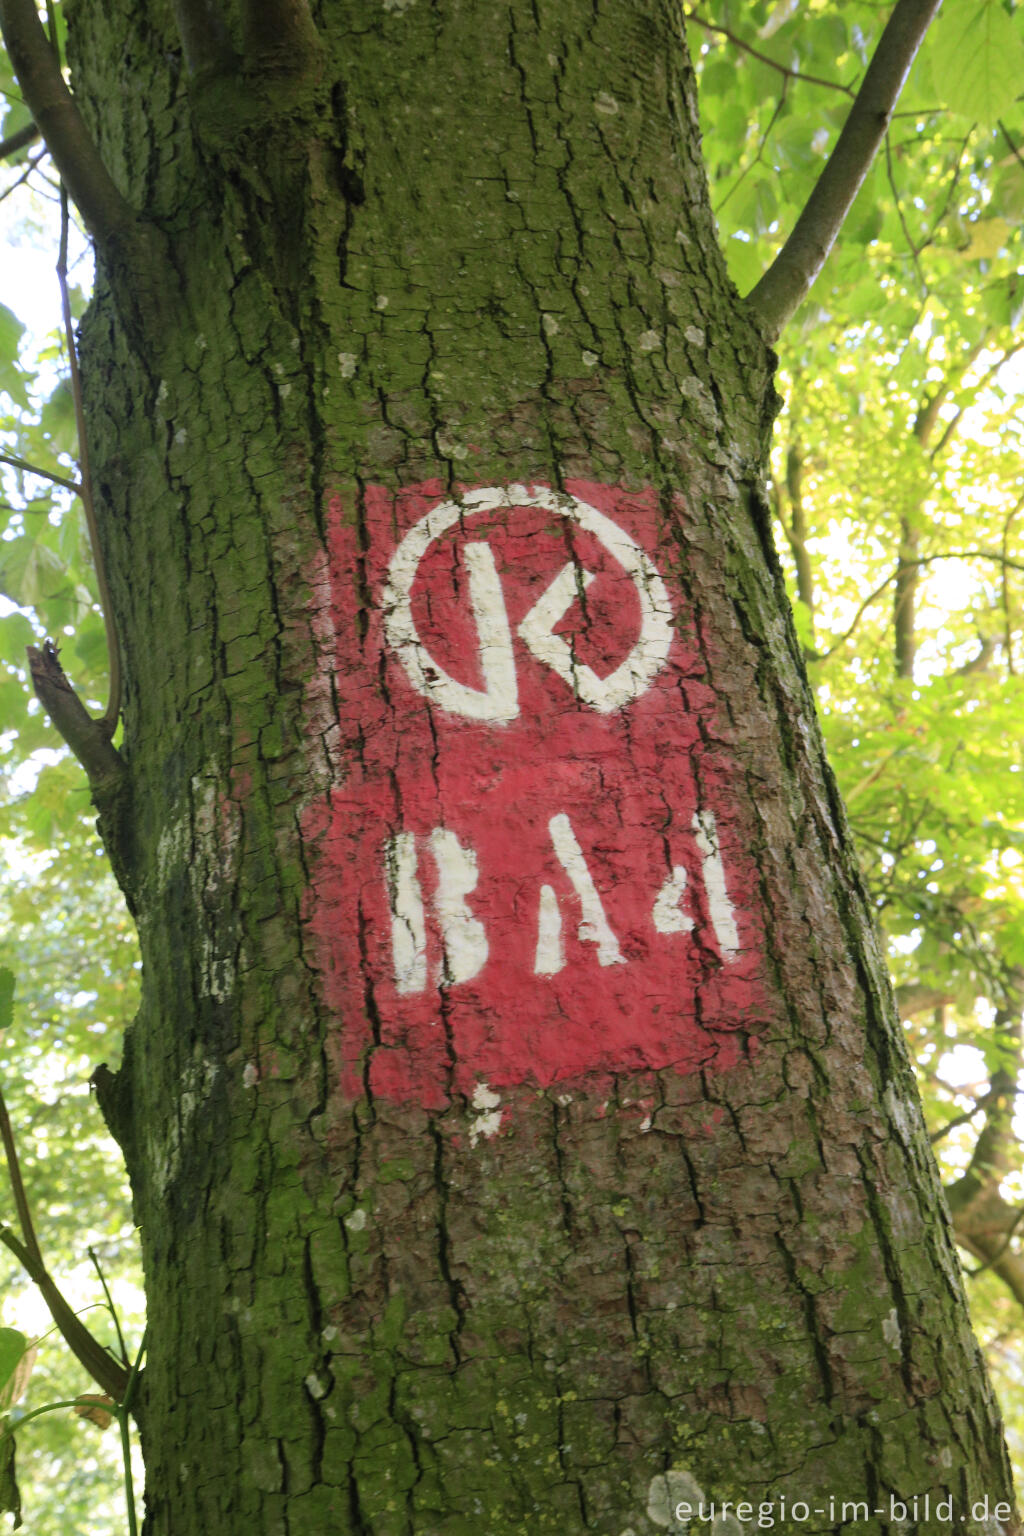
(668, 914)
(488, 1122)
(723, 918)
(891, 1330)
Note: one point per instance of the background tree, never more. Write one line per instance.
(395, 1443)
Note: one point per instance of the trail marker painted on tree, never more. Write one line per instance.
(528, 870)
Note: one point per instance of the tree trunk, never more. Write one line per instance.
(519, 1128)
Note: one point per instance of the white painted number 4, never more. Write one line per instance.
(464, 943)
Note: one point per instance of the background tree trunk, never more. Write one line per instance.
(430, 250)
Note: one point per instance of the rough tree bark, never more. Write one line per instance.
(503, 1265)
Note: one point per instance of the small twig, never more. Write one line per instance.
(1007, 608)
(956, 1122)
(914, 250)
(784, 286)
(44, 474)
(124, 1410)
(980, 1269)
(756, 159)
(17, 141)
(763, 58)
(955, 554)
(1011, 146)
(110, 1306)
(21, 1204)
(953, 184)
(974, 389)
(113, 710)
(21, 180)
(107, 1372)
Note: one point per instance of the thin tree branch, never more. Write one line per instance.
(784, 286)
(113, 710)
(956, 1122)
(1007, 1240)
(21, 1204)
(18, 141)
(1007, 605)
(125, 1358)
(20, 181)
(44, 474)
(955, 554)
(107, 1372)
(915, 250)
(88, 739)
(741, 178)
(763, 58)
(975, 389)
(927, 417)
(1014, 151)
(107, 214)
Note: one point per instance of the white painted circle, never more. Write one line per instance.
(498, 701)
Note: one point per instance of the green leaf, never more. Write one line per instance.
(57, 419)
(12, 378)
(977, 59)
(16, 634)
(31, 572)
(14, 1385)
(14, 1346)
